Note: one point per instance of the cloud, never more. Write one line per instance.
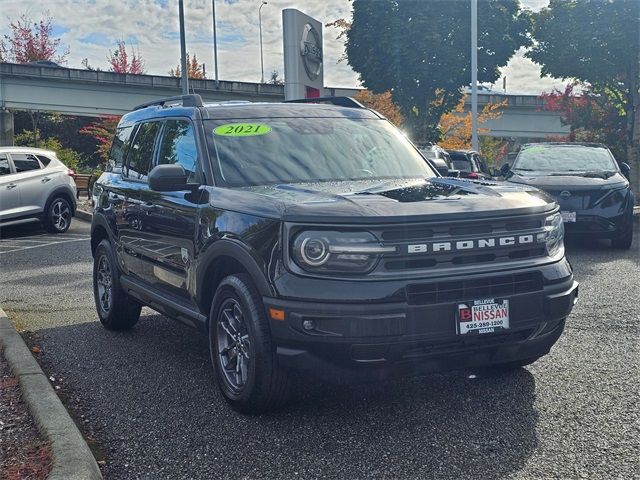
(91, 27)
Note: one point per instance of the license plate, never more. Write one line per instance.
(568, 217)
(483, 316)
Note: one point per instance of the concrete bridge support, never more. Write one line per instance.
(6, 128)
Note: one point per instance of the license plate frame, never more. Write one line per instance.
(482, 316)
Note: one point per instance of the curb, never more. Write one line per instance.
(83, 215)
(72, 458)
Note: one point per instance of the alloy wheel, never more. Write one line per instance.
(61, 215)
(104, 283)
(234, 347)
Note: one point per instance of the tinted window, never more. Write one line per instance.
(178, 145)
(44, 160)
(5, 169)
(141, 152)
(120, 145)
(25, 162)
(463, 165)
(291, 150)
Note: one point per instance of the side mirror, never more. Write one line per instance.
(625, 169)
(505, 169)
(168, 178)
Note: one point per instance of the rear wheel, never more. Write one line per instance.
(58, 216)
(116, 310)
(242, 352)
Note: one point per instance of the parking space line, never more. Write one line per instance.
(45, 245)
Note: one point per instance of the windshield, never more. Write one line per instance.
(296, 150)
(564, 159)
(461, 163)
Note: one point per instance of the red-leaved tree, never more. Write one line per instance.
(120, 61)
(102, 131)
(195, 70)
(30, 41)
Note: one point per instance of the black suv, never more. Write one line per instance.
(315, 238)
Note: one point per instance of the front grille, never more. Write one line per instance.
(461, 290)
(402, 236)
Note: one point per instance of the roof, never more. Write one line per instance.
(34, 150)
(252, 110)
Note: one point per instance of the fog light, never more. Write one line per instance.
(308, 325)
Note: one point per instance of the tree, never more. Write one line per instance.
(596, 42)
(30, 41)
(383, 103)
(275, 79)
(122, 62)
(420, 51)
(195, 70)
(456, 125)
(102, 131)
(593, 117)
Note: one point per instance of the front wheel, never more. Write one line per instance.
(242, 351)
(58, 216)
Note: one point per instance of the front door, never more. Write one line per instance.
(9, 191)
(172, 216)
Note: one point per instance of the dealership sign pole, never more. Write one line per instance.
(183, 51)
(474, 75)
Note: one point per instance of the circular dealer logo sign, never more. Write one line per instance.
(311, 51)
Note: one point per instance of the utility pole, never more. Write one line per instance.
(183, 51)
(474, 75)
(215, 42)
(261, 55)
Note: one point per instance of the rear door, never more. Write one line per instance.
(132, 216)
(31, 180)
(9, 193)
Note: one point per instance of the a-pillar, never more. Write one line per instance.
(6, 128)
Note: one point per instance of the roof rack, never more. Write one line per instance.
(339, 101)
(192, 100)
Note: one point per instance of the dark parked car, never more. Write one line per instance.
(470, 164)
(439, 159)
(592, 190)
(315, 238)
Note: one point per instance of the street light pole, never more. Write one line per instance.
(183, 51)
(474, 75)
(215, 41)
(261, 54)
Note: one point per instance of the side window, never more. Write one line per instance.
(120, 145)
(140, 154)
(44, 160)
(178, 145)
(25, 162)
(5, 168)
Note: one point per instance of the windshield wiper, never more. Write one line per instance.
(524, 169)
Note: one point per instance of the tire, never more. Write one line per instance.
(116, 310)
(241, 348)
(623, 242)
(57, 218)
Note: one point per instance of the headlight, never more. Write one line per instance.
(337, 252)
(554, 233)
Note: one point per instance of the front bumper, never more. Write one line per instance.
(373, 340)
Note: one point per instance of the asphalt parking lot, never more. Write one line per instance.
(148, 401)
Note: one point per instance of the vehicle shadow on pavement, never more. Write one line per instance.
(149, 398)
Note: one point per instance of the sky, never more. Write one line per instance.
(90, 28)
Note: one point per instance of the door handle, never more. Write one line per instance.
(11, 185)
(46, 179)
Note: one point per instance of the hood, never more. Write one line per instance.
(390, 200)
(568, 182)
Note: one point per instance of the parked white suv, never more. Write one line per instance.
(35, 186)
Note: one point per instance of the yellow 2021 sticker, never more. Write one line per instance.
(242, 129)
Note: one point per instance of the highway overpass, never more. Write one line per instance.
(95, 93)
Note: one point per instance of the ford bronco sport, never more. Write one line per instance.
(315, 238)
